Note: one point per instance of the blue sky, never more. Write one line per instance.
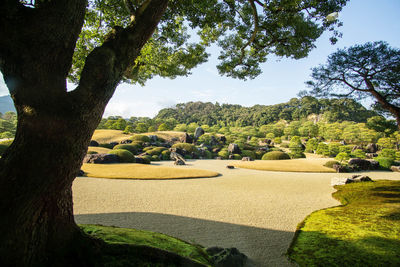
(281, 80)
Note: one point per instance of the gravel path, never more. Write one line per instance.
(255, 211)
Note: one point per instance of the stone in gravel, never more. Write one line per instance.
(363, 178)
(179, 162)
(230, 166)
(395, 168)
(247, 159)
(228, 257)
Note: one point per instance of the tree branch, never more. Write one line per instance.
(255, 30)
(105, 65)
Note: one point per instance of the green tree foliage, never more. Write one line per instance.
(370, 70)
(163, 127)
(380, 124)
(331, 110)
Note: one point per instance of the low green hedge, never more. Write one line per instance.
(275, 155)
(124, 155)
(330, 163)
(188, 147)
(131, 148)
(140, 138)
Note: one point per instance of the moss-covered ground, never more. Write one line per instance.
(142, 239)
(104, 136)
(143, 171)
(364, 231)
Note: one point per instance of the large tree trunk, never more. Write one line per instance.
(37, 226)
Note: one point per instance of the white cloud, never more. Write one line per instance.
(3, 87)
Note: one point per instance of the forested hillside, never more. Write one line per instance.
(331, 110)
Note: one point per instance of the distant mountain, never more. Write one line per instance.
(6, 104)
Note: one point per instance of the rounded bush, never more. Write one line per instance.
(385, 163)
(208, 154)
(297, 155)
(155, 158)
(330, 163)
(146, 159)
(259, 154)
(275, 155)
(165, 155)
(188, 147)
(156, 151)
(131, 148)
(140, 138)
(278, 140)
(237, 156)
(223, 154)
(248, 153)
(285, 145)
(124, 155)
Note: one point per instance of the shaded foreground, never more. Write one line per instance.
(365, 231)
(131, 247)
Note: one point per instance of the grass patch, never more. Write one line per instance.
(145, 172)
(99, 149)
(365, 231)
(167, 135)
(293, 165)
(105, 136)
(114, 235)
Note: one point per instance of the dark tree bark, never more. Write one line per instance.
(54, 128)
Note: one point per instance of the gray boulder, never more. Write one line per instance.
(227, 257)
(198, 132)
(371, 148)
(371, 155)
(186, 139)
(127, 141)
(230, 166)
(395, 168)
(179, 162)
(233, 149)
(153, 138)
(101, 158)
(355, 148)
(247, 159)
(339, 168)
(113, 144)
(361, 164)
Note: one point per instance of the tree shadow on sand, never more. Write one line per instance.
(264, 247)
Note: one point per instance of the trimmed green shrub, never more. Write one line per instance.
(397, 155)
(358, 153)
(208, 154)
(385, 163)
(311, 145)
(275, 155)
(270, 135)
(342, 156)
(237, 156)
(388, 153)
(285, 145)
(146, 158)
(188, 147)
(165, 155)
(124, 155)
(155, 158)
(249, 153)
(346, 149)
(259, 154)
(109, 146)
(91, 152)
(334, 149)
(277, 140)
(330, 163)
(223, 154)
(148, 148)
(187, 157)
(297, 155)
(323, 149)
(156, 151)
(131, 148)
(140, 138)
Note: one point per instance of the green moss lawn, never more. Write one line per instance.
(139, 238)
(364, 231)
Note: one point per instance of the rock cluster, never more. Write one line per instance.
(101, 158)
(352, 179)
(227, 257)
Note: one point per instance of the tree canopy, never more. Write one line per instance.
(371, 70)
(247, 32)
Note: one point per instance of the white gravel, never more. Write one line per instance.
(254, 211)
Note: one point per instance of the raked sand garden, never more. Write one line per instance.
(253, 210)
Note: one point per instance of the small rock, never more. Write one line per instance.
(371, 155)
(339, 168)
(179, 162)
(372, 148)
(153, 138)
(395, 168)
(198, 132)
(101, 158)
(127, 141)
(186, 139)
(361, 164)
(362, 179)
(247, 159)
(233, 149)
(230, 166)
